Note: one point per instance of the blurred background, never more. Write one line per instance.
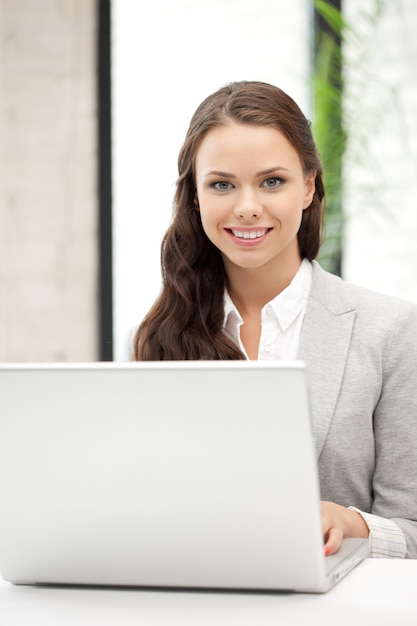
(95, 99)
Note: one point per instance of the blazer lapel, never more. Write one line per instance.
(324, 346)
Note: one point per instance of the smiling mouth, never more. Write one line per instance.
(249, 234)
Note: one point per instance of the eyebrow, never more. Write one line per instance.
(270, 170)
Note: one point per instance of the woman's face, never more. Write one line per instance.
(252, 192)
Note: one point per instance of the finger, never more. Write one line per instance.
(333, 542)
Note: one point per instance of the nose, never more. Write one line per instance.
(248, 205)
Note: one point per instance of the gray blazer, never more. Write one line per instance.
(361, 351)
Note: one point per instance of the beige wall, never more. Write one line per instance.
(48, 187)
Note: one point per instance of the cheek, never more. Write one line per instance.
(211, 210)
(288, 205)
(206, 216)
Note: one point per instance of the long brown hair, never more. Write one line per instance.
(186, 321)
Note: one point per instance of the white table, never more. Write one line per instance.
(378, 591)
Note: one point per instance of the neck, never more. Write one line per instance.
(251, 289)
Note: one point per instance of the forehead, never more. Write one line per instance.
(236, 143)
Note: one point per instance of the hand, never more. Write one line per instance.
(338, 522)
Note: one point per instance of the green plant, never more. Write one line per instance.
(328, 126)
(333, 111)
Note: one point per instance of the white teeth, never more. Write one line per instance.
(252, 234)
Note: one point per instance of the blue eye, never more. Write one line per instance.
(221, 185)
(273, 182)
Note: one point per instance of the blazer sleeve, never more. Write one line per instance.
(394, 481)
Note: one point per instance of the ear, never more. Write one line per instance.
(310, 188)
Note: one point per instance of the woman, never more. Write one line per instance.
(240, 281)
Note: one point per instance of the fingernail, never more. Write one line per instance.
(326, 551)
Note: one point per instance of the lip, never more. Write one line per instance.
(248, 242)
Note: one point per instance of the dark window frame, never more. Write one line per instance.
(105, 181)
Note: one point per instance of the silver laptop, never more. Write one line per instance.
(181, 474)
